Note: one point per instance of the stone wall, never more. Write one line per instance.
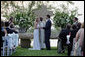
(30, 36)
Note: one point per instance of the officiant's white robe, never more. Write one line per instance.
(42, 35)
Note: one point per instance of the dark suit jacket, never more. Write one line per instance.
(63, 34)
(73, 35)
(48, 28)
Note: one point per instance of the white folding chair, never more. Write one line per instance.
(3, 48)
(16, 39)
(5, 39)
(8, 46)
(10, 42)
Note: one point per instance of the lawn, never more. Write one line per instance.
(26, 52)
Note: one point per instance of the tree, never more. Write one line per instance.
(64, 16)
(24, 17)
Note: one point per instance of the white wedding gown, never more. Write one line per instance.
(36, 40)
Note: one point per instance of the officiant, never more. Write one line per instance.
(42, 33)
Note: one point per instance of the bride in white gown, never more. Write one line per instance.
(36, 40)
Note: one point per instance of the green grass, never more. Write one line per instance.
(25, 52)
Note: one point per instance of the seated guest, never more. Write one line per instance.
(63, 34)
(3, 32)
(9, 30)
(11, 24)
(3, 29)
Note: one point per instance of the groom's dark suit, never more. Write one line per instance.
(47, 34)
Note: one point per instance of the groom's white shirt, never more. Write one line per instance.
(47, 20)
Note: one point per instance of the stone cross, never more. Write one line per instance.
(42, 12)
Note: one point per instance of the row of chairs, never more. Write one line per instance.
(10, 41)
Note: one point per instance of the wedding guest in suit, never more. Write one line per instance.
(73, 35)
(75, 21)
(62, 36)
(78, 24)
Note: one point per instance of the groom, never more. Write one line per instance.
(47, 32)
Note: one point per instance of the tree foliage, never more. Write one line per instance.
(64, 16)
(24, 17)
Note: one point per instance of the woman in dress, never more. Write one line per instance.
(79, 41)
(36, 39)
